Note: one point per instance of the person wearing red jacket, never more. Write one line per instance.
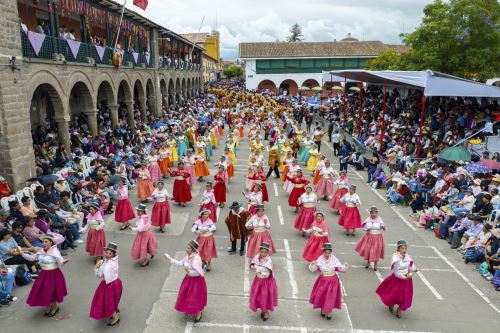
(181, 192)
(299, 181)
(260, 178)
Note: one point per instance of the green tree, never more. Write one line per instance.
(232, 72)
(295, 34)
(459, 37)
(388, 59)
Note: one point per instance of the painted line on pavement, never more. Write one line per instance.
(189, 327)
(276, 194)
(412, 227)
(479, 292)
(246, 279)
(443, 270)
(289, 268)
(344, 293)
(429, 285)
(351, 328)
(420, 246)
(280, 217)
(218, 213)
(379, 276)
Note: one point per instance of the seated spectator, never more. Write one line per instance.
(6, 284)
(428, 215)
(70, 216)
(400, 193)
(472, 232)
(5, 221)
(23, 242)
(42, 199)
(417, 204)
(15, 211)
(12, 254)
(27, 209)
(456, 231)
(31, 232)
(60, 226)
(42, 222)
(474, 248)
(60, 186)
(378, 177)
(4, 188)
(484, 208)
(466, 204)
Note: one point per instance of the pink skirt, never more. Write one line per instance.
(326, 294)
(263, 294)
(192, 296)
(144, 244)
(371, 247)
(213, 210)
(192, 175)
(394, 291)
(160, 216)
(335, 202)
(314, 247)
(349, 218)
(155, 172)
(106, 299)
(294, 196)
(305, 219)
(324, 188)
(257, 238)
(124, 211)
(207, 248)
(49, 287)
(96, 241)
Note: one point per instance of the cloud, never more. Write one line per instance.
(269, 20)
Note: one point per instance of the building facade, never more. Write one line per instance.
(46, 77)
(282, 66)
(211, 53)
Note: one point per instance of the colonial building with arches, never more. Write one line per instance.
(43, 81)
(285, 67)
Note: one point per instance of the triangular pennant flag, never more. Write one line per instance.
(135, 55)
(142, 4)
(100, 51)
(74, 46)
(36, 41)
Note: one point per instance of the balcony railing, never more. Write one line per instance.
(54, 48)
(168, 63)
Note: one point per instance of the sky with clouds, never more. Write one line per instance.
(269, 20)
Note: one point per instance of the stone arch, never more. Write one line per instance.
(171, 92)
(151, 96)
(178, 90)
(188, 92)
(267, 84)
(139, 98)
(290, 86)
(183, 89)
(164, 92)
(54, 88)
(125, 103)
(138, 90)
(80, 99)
(105, 94)
(311, 83)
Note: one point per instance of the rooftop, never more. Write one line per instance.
(346, 47)
(197, 38)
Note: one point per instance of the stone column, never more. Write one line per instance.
(63, 130)
(143, 106)
(130, 112)
(113, 114)
(92, 121)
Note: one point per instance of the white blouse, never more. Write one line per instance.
(353, 199)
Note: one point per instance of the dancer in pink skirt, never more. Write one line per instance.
(371, 245)
(397, 288)
(349, 217)
(319, 235)
(204, 228)
(325, 186)
(145, 240)
(259, 226)
(253, 198)
(49, 288)
(342, 184)
(109, 292)
(264, 292)
(308, 202)
(160, 216)
(208, 201)
(153, 166)
(123, 211)
(192, 295)
(96, 238)
(326, 293)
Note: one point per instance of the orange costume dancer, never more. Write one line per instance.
(230, 167)
(164, 161)
(200, 167)
(144, 186)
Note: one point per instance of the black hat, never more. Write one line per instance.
(141, 207)
(208, 184)
(96, 207)
(488, 226)
(373, 209)
(194, 245)
(112, 247)
(401, 242)
(259, 207)
(327, 246)
(264, 246)
(234, 205)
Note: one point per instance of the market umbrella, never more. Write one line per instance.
(317, 89)
(205, 119)
(303, 88)
(493, 165)
(354, 89)
(47, 179)
(477, 168)
(338, 88)
(455, 154)
(158, 124)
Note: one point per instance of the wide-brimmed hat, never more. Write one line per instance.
(112, 247)
(235, 205)
(49, 237)
(477, 181)
(373, 209)
(194, 245)
(400, 243)
(327, 246)
(142, 208)
(434, 173)
(264, 246)
(96, 207)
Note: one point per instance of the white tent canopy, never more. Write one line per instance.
(433, 83)
(328, 77)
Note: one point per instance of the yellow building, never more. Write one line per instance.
(211, 61)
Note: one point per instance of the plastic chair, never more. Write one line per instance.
(4, 202)
(20, 195)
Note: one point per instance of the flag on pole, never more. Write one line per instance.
(142, 4)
